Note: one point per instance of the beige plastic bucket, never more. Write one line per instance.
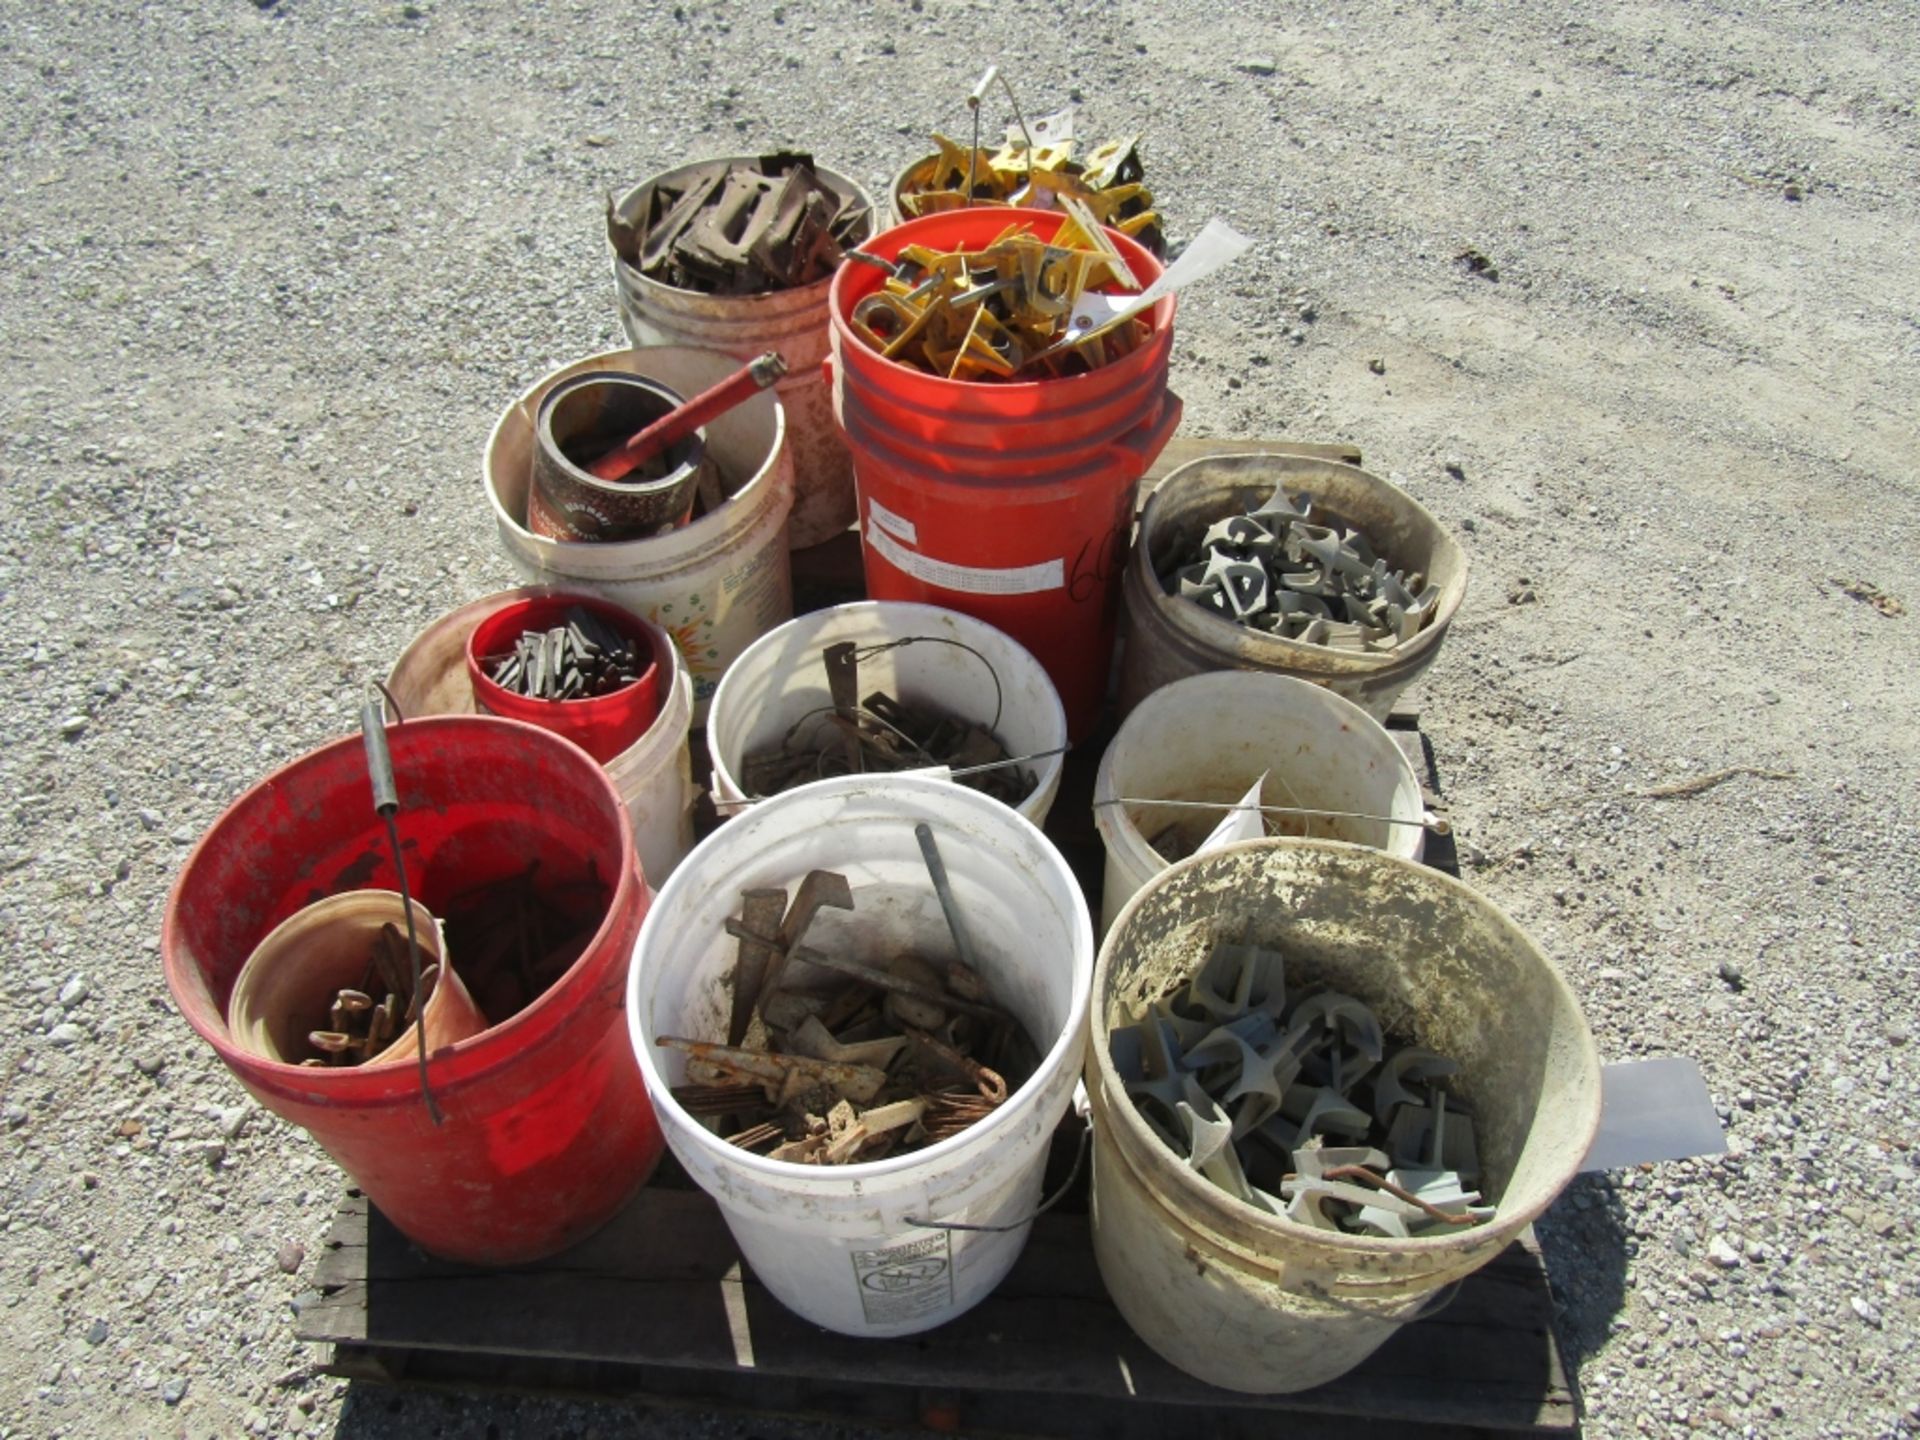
(1210, 737)
(793, 322)
(654, 775)
(715, 585)
(1168, 637)
(780, 679)
(1251, 1301)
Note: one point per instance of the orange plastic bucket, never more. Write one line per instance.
(548, 1129)
(1012, 503)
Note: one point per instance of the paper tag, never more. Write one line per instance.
(881, 518)
(968, 580)
(1244, 824)
(1216, 246)
(907, 1281)
(1054, 129)
(1654, 1110)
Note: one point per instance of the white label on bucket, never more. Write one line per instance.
(1023, 580)
(907, 1281)
(879, 517)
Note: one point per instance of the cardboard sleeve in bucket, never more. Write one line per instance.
(654, 774)
(548, 1129)
(1010, 502)
(1168, 637)
(848, 1246)
(715, 584)
(1244, 1299)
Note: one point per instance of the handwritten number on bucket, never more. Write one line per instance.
(1095, 564)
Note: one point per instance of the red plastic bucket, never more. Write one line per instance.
(602, 725)
(548, 1129)
(1012, 503)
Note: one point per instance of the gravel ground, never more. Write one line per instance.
(270, 273)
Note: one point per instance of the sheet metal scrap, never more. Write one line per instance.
(880, 735)
(1275, 568)
(740, 228)
(1302, 1106)
(1003, 311)
(1108, 182)
(578, 660)
(359, 1026)
(883, 1059)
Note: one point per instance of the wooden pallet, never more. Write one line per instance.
(657, 1309)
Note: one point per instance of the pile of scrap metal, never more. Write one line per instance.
(360, 1027)
(740, 227)
(1003, 311)
(1275, 569)
(578, 659)
(511, 938)
(1108, 182)
(1301, 1107)
(882, 734)
(890, 1059)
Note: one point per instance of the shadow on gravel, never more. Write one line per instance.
(1585, 1242)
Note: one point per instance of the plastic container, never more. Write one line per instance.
(654, 775)
(780, 679)
(1012, 503)
(793, 322)
(1210, 737)
(848, 1246)
(592, 413)
(715, 585)
(602, 725)
(1251, 1301)
(548, 1130)
(288, 984)
(1168, 637)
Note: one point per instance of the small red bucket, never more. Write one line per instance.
(548, 1129)
(601, 725)
(1012, 503)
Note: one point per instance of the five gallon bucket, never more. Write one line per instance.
(547, 1128)
(1010, 502)
(793, 322)
(715, 585)
(1251, 1301)
(860, 1248)
(925, 656)
(654, 775)
(1208, 738)
(1168, 636)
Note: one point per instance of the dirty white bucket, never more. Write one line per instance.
(715, 585)
(654, 775)
(1210, 737)
(849, 1246)
(793, 322)
(1252, 1301)
(780, 679)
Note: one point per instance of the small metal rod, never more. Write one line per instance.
(1025, 134)
(1367, 1177)
(937, 869)
(1428, 822)
(978, 93)
(1010, 760)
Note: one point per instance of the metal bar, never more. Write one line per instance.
(1428, 822)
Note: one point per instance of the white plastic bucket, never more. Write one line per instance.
(847, 1246)
(1209, 737)
(715, 585)
(654, 775)
(780, 679)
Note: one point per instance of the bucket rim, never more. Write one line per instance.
(1046, 222)
(1505, 1223)
(985, 1132)
(282, 1077)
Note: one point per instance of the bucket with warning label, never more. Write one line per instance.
(901, 1244)
(1008, 501)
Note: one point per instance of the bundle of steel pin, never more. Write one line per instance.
(1250, 1087)
(1275, 569)
(881, 734)
(895, 1057)
(1004, 311)
(582, 658)
(511, 938)
(360, 1027)
(741, 227)
(1108, 182)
